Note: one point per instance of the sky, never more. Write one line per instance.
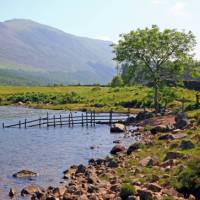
(106, 19)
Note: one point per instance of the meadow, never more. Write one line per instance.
(93, 98)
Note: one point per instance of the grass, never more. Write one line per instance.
(88, 97)
(159, 149)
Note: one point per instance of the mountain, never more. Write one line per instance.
(36, 54)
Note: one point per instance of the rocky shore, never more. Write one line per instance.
(149, 169)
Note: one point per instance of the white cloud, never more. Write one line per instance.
(104, 37)
(179, 9)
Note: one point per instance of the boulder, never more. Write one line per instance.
(58, 191)
(112, 164)
(145, 194)
(117, 149)
(181, 121)
(24, 174)
(153, 187)
(130, 120)
(118, 128)
(80, 169)
(32, 189)
(133, 147)
(160, 128)
(149, 161)
(179, 136)
(173, 155)
(186, 144)
(166, 137)
(144, 115)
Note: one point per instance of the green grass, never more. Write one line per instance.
(87, 97)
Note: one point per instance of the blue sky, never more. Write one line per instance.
(106, 19)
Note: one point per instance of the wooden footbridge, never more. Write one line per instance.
(71, 119)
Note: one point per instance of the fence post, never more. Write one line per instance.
(19, 124)
(47, 119)
(72, 119)
(60, 120)
(3, 125)
(69, 120)
(91, 118)
(82, 120)
(54, 121)
(25, 123)
(86, 119)
(94, 121)
(40, 122)
(110, 119)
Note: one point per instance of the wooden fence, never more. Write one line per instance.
(71, 119)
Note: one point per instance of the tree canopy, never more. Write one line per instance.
(158, 55)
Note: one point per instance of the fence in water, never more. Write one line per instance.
(71, 119)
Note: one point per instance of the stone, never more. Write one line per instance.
(145, 194)
(117, 149)
(191, 197)
(167, 163)
(32, 189)
(144, 115)
(130, 120)
(24, 174)
(80, 169)
(116, 141)
(166, 137)
(149, 161)
(173, 155)
(186, 144)
(179, 136)
(12, 192)
(112, 164)
(159, 128)
(118, 128)
(133, 147)
(153, 187)
(58, 191)
(181, 121)
(131, 197)
(92, 188)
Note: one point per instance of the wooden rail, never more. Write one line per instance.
(71, 119)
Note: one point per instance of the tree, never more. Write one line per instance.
(116, 81)
(153, 49)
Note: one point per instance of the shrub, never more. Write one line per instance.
(117, 81)
(95, 89)
(188, 182)
(127, 190)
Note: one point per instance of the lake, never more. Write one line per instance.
(47, 151)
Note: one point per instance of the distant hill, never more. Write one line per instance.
(36, 54)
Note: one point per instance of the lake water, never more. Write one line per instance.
(46, 151)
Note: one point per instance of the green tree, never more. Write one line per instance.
(154, 50)
(116, 81)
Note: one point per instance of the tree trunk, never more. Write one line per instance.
(156, 98)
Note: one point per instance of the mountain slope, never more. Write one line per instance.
(30, 47)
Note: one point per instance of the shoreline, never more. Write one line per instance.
(145, 170)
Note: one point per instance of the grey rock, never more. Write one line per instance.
(173, 155)
(24, 174)
(186, 144)
(133, 147)
(117, 149)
